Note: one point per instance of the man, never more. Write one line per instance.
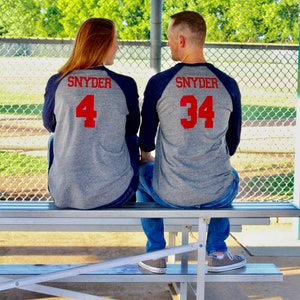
(197, 111)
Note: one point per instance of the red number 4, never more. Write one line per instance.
(205, 111)
(86, 109)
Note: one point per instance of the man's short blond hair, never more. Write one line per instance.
(192, 21)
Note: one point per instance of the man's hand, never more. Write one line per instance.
(146, 157)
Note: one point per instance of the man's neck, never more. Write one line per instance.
(194, 57)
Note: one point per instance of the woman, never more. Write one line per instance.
(94, 115)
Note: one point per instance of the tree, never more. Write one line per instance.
(134, 23)
(269, 21)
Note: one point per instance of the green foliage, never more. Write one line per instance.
(269, 21)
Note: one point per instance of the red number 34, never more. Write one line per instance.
(204, 111)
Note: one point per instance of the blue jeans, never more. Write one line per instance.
(218, 228)
(132, 145)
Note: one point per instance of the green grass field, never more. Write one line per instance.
(13, 163)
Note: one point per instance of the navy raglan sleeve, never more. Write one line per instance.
(133, 118)
(48, 115)
(150, 119)
(129, 88)
(233, 134)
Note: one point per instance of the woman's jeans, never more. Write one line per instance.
(132, 145)
(218, 228)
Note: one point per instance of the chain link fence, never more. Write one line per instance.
(266, 74)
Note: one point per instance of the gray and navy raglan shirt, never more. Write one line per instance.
(191, 116)
(91, 113)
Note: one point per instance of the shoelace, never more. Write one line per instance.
(229, 254)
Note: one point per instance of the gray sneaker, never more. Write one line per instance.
(226, 263)
(155, 266)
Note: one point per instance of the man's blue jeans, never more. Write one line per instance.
(218, 228)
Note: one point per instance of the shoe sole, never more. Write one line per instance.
(152, 269)
(227, 268)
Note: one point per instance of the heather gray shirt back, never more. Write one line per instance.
(192, 160)
(91, 165)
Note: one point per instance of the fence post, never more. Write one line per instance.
(296, 223)
(155, 35)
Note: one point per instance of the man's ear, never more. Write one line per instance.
(181, 40)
